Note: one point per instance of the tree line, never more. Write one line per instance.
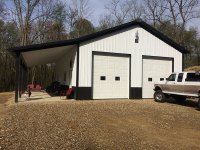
(25, 22)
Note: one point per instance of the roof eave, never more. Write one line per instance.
(99, 34)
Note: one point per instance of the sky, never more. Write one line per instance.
(97, 7)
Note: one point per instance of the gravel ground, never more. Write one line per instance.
(111, 124)
(6, 99)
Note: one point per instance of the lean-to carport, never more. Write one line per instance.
(33, 55)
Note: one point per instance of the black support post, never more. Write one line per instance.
(17, 76)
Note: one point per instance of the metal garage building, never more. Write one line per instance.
(120, 62)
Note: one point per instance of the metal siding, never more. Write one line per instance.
(74, 71)
(62, 66)
(124, 42)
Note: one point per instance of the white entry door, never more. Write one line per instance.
(110, 77)
(154, 70)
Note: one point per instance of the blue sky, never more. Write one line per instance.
(98, 8)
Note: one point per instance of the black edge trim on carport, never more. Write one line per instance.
(99, 34)
(110, 54)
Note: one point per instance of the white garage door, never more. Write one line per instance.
(110, 77)
(154, 70)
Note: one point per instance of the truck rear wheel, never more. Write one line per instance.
(159, 96)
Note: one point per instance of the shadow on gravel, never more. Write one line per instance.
(31, 99)
(187, 103)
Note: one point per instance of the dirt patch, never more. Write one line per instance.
(102, 124)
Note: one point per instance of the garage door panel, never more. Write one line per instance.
(110, 67)
(153, 71)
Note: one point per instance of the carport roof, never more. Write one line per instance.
(79, 40)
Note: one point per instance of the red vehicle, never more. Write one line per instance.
(34, 87)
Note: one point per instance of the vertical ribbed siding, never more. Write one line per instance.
(124, 42)
(63, 65)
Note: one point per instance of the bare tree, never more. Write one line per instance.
(24, 11)
(41, 20)
(123, 11)
(50, 25)
(181, 11)
(27, 13)
(118, 10)
(2, 9)
(137, 10)
(188, 9)
(77, 9)
(155, 10)
(106, 22)
(172, 12)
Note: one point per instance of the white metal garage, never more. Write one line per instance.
(119, 62)
(154, 70)
(110, 77)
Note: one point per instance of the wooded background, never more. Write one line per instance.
(25, 22)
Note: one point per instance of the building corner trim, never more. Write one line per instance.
(77, 71)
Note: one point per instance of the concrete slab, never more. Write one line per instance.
(40, 96)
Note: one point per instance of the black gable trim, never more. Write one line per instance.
(99, 34)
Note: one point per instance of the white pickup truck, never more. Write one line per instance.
(179, 86)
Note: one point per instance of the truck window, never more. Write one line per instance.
(172, 77)
(180, 77)
(193, 77)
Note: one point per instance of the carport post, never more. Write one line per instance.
(17, 76)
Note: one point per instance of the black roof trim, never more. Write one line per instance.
(138, 22)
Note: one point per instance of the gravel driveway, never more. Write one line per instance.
(111, 124)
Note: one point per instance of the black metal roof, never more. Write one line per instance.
(79, 40)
